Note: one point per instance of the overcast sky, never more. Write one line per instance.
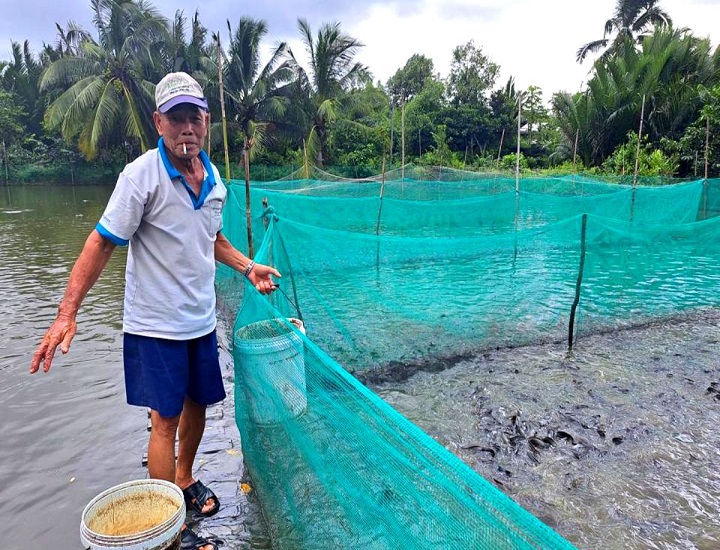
(534, 41)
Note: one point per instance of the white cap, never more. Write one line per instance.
(177, 88)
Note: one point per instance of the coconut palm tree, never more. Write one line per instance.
(664, 73)
(69, 40)
(629, 23)
(20, 77)
(256, 99)
(256, 94)
(108, 88)
(178, 54)
(333, 72)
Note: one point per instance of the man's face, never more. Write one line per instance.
(183, 128)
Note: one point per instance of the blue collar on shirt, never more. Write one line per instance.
(207, 184)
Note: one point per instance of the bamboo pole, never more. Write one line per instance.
(707, 146)
(637, 152)
(502, 137)
(578, 283)
(517, 181)
(5, 162)
(402, 117)
(207, 145)
(637, 159)
(246, 161)
(7, 178)
(577, 135)
(222, 111)
(382, 191)
(306, 164)
(392, 128)
(517, 153)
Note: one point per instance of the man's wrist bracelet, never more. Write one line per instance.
(249, 268)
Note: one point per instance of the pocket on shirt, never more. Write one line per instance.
(215, 222)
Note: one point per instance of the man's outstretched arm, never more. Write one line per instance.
(92, 260)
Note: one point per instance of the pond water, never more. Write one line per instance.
(615, 446)
(66, 435)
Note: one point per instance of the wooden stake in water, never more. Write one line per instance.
(382, 190)
(578, 283)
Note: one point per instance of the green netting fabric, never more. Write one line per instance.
(476, 213)
(385, 284)
(336, 467)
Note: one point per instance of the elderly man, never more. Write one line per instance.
(167, 205)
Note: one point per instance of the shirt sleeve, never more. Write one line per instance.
(123, 212)
(223, 193)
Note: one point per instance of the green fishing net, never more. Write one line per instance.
(393, 274)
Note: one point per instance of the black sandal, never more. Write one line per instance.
(189, 540)
(197, 495)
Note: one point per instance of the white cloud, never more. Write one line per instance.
(534, 41)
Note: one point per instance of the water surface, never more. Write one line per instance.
(615, 446)
(66, 435)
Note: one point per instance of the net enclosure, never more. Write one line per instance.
(381, 278)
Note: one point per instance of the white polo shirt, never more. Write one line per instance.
(170, 273)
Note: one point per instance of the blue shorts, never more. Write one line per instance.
(160, 373)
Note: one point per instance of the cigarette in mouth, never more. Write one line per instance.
(184, 149)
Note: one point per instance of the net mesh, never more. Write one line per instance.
(416, 276)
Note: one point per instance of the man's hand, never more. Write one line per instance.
(60, 333)
(260, 276)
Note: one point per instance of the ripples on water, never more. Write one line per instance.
(616, 447)
(68, 434)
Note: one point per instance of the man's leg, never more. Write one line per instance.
(161, 448)
(191, 429)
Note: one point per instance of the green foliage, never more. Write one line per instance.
(652, 162)
(440, 154)
(701, 138)
(98, 94)
(508, 162)
(534, 112)
(106, 92)
(357, 145)
(407, 82)
(666, 71)
(47, 160)
(629, 21)
(11, 115)
(472, 75)
(420, 116)
(333, 72)
(254, 93)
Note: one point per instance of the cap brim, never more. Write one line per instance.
(178, 100)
